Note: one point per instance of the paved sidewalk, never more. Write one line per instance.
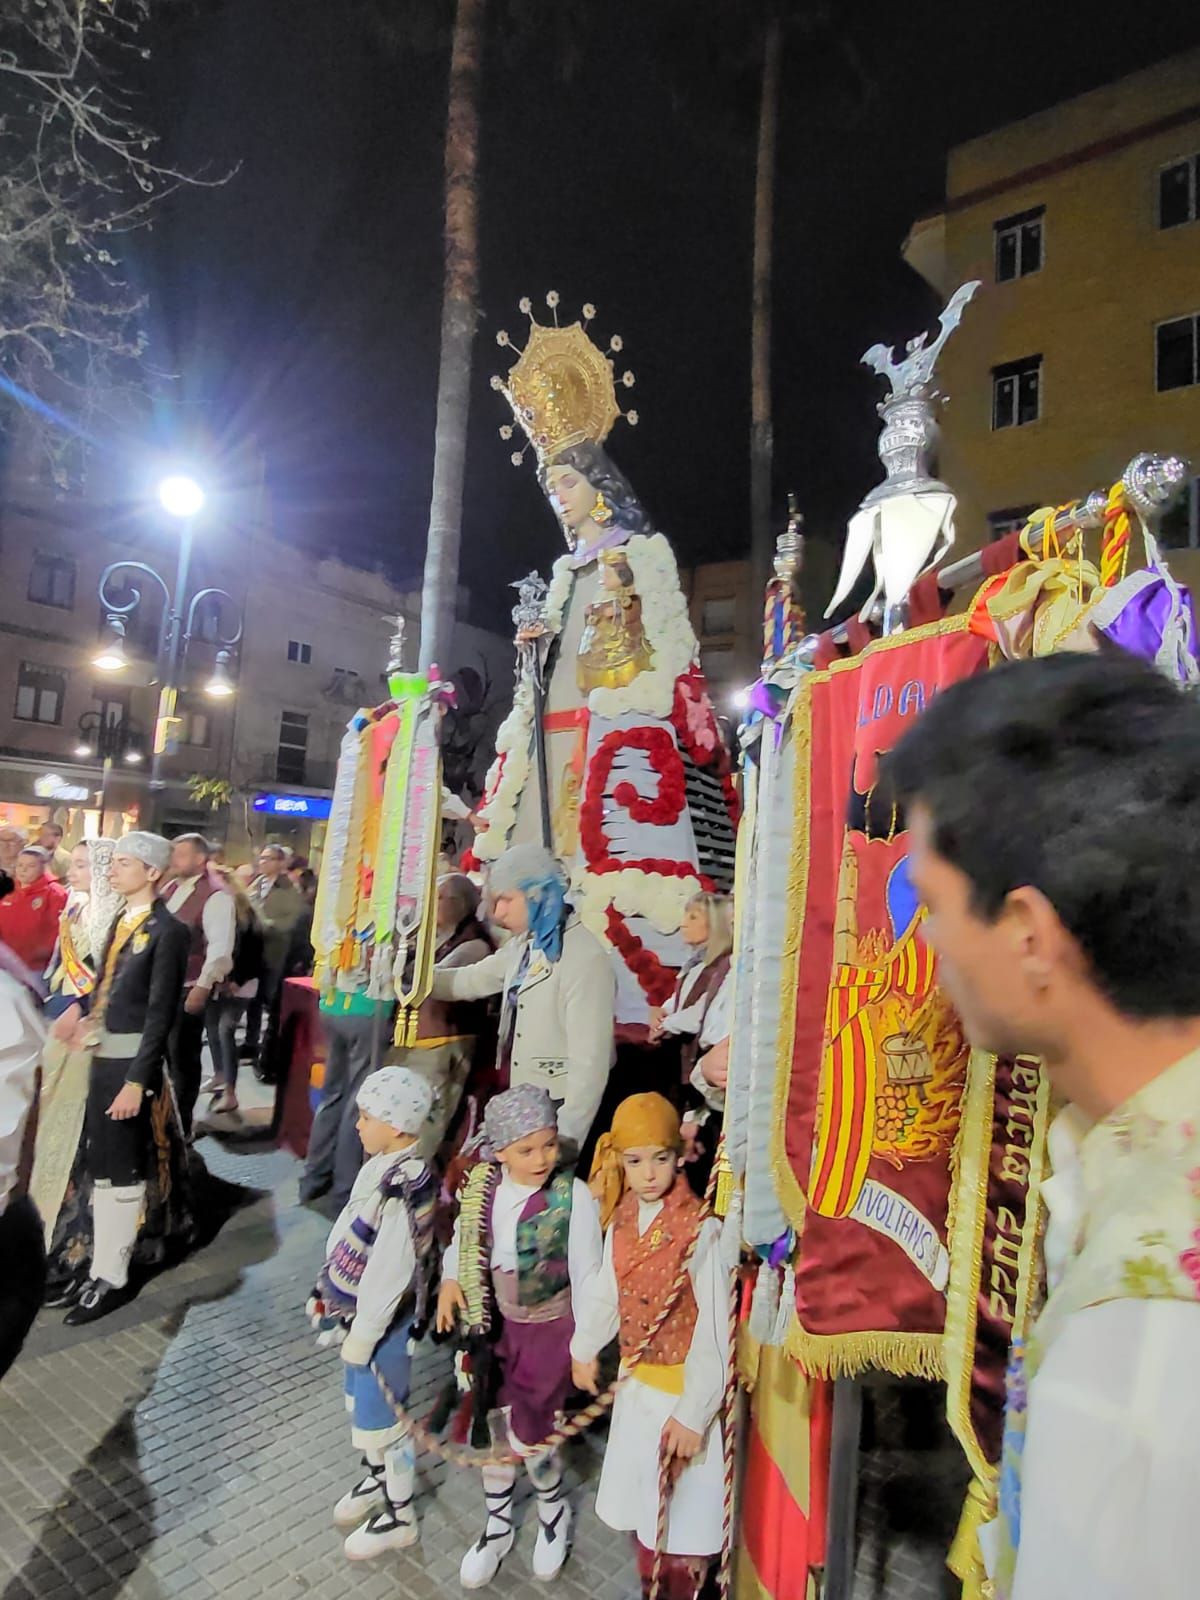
(193, 1445)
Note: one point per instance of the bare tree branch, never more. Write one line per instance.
(77, 171)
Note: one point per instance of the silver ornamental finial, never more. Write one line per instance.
(529, 612)
(910, 433)
(1153, 482)
(395, 661)
(789, 547)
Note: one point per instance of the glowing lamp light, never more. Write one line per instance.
(83, 750)
(740, 699)
(111, 657)
(132, 757)
(220, 686)
(181, 496)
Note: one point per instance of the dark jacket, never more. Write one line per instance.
(146, 989)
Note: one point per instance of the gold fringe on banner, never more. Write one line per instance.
(845, 1355)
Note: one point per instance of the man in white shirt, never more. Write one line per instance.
(1053, 809)
(201, 900)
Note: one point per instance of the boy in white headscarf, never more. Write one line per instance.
(139, 979)
(373, 1287)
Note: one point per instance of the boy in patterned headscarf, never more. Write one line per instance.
(669, 1411)
(372, 1288)
(526, 1242)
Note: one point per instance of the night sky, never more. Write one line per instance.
(299, 304)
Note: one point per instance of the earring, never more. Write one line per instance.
(601, 511)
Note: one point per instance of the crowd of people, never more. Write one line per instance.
(1063, 919)
(133, 953)
(152, 949)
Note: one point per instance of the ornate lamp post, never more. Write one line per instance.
(106, 742)
(183, 498)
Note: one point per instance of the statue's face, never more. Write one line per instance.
(571, 495)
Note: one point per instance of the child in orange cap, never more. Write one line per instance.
(668, 1410)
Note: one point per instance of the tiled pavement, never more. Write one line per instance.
(193, 1444)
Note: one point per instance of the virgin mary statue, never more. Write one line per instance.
(641, 805)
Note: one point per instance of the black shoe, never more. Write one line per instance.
(63, 1292)
(313, 1188)
(96, 1300)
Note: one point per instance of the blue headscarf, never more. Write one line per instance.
(539, 877)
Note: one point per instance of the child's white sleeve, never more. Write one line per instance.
(450, 1257)
(597, 1310)
(704, 1370)
(387, 1278)
(585, 1241)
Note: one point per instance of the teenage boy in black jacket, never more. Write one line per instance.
(137, 996)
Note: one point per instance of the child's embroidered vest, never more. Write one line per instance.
(646, 1266)
(342, 1273)
(542, 1287)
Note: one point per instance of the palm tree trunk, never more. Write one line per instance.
(460, 313)
(761, 434)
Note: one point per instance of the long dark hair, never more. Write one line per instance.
(607, 479)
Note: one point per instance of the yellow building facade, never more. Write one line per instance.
(1083, 346)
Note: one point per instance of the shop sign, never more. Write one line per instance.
(313, 807)
(52, 786)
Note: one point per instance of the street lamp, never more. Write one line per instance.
(102, 740)
(111, 657)
(220, 686)
(183, 498)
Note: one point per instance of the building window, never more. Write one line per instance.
(52, 582)
(113, 707)
(299, 652)
(1175, 353)
(40, 693)
(195, 727)
(1019, 242)
(718, 616)
(717, 663)
(206, 624)
(1010, 520)
(1177, 186)
(1017, 393)
(293, 747)
(1180, 526)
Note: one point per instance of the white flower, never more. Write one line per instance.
(589, 311)
(631, 417)
(616, 344)
(502, 337)
(506, 432)
(525, 305)
(552, 299)
(497, 383)
(517, 457)
(628, 379)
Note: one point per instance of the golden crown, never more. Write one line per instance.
(563, 387)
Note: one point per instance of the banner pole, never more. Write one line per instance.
(842, 1514)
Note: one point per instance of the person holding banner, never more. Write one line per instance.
(1053, 809)
(556, 1025)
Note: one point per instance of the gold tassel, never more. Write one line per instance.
(723, 1197)
(965, 1560)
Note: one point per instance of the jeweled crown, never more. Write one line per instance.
(563, 387)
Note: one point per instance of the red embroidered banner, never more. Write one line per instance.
(877, 1060)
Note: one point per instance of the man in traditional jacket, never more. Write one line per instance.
(1054, 815)
(556, 1023)
(131, 1012)
(200, 899)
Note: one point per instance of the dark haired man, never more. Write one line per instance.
(1054, 816)
(201, 900)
